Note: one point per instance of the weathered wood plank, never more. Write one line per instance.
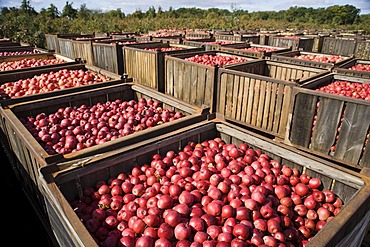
(272, 106)
(284, 111)
(222, 94)
(355, 127)
(261, 104)
(229, 95)
(169, 82)
(279, 103)
(302, 119)
(235, 105)
(186, 89)
(240, 98)
(194, 79)
(250, 100)
(201, 84)
(328, 118)
(210, 86)
(266, 110)
(244, 104)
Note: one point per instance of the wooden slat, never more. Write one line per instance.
(250, 100)
(272, 107)
(229, 95)
(244, 104)
(235, 106)
(279, 103)
(240, 98)
(180, 78)
(193, 85)
(267, 105)
(169, 77)
(284, 111)
(261, 104)
(304, 112)
(365, 159)
(355, 127)
(222, 94)
(256, 101)
(186, 89)
(210, 87)
(200, 88)
(328, 118)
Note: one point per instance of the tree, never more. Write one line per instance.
(343, 15)
(52, 12)
(84, 12)
(27, 8)
(69, 11)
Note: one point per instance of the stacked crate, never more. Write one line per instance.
(145, 62)
(193, 82)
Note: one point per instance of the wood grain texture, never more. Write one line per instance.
(355, 127)
(327, 123)
(302, 119)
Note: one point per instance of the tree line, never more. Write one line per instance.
(25, 24)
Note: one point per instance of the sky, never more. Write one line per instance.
(251, 5)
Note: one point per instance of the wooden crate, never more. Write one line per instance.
(33, 156)
(14, 76)
(345, 69)
(147, 66)
(296, 42)
(108, 54)
(239, 49)
(52, 42)
(351, 187)
(20, 49)
(9, 44)
(238, 37)
(339, 121)
(198, 35)
(288, 57)
(47, 56)
(190, 81)
(83, 49)
(362, 50)
(255, 101)
(281, 71)
(209, 44)
(175, 39)
(318, 41)
(66, 47)
(339, 46)
(108, 57)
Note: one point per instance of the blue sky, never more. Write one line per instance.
(250, 5)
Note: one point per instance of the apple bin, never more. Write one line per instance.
(145, 62)
(339, 46)
(34, 154)
(332, 126)
(356, 68)
(39, 74)
(311, 59)
(108, 54)
(295, 42)
(194, 82)
(19, 50)
(67, 187)
(252, 50)
(49, 56)
(257, 94)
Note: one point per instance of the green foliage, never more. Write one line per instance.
(25, 24)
